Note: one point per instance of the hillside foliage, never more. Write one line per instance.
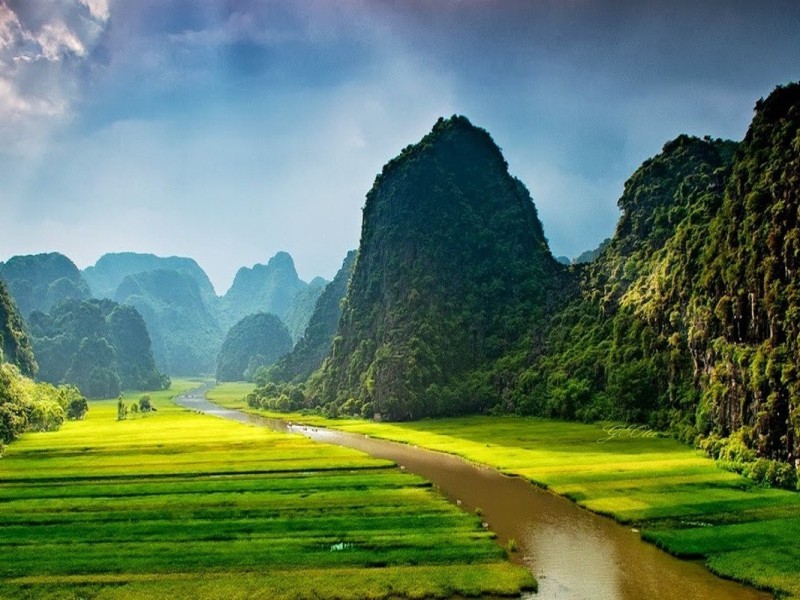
(98, 346)
(15, 346)
(687, 319)
(40, 281)
(24, 404)
(307, 356)
(255, 342)
(185, 333)
(453, 271)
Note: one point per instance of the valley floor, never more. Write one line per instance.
(175, 504)
(681, 500)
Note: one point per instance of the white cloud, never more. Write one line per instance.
(42, 46)
(97, 8)
(9, 26)
(16, 106)
(56, 40)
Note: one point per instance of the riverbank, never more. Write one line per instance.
(679, 499)
(175, 504)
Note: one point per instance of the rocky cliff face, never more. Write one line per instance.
(453, 270)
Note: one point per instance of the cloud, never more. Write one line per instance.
(43, 45)
(284, 170)
(97, 8)
(10, 28)
(56, 40)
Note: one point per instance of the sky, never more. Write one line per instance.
(228, 130)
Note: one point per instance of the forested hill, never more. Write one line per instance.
(453, 271)
(99, 346)
(186, 320)
(109, 271)
(40, 281)
(603, 359)
(255, 342)
(689, 318)
(185, 333)
(15, 347)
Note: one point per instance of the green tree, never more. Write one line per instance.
(122, 410)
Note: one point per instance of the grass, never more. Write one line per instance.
(681, 500)
(175, 504)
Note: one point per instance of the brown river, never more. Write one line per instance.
(573, 553)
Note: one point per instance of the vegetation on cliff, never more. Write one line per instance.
(453, 272)
(24, 404)
(40, 281)
(313, 347)
(255, 342)
(97, 345)
(689, 317)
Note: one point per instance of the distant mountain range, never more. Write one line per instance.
(186, 320)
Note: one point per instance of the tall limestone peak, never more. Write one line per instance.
(268, 288)
(453, 271)
(282, 262)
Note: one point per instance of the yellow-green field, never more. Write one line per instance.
(175, 504)
(682, 500)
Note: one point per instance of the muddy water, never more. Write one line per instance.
(574, 554)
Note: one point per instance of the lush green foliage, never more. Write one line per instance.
(97, 345)
(29, 406)
(145, 404)
(40, 281)
(688, 319)
(254, 342)
(679, 498)
(603, 360)
(15, 347)
(184, 330)
(453, 271)
(314, 346)
(180, 505)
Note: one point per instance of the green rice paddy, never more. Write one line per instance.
(681, 500)
(175, 504)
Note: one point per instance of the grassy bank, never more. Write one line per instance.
(174, 504)
(681, 500)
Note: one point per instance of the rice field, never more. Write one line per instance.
(174, 504)
(679, 499)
